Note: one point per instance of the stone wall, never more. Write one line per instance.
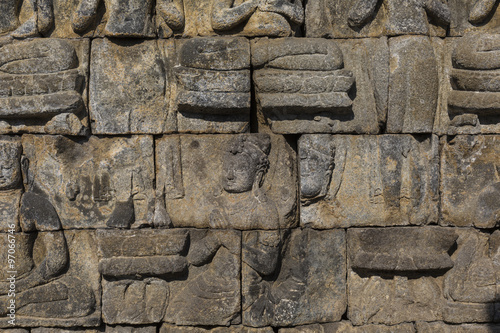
(249, 166)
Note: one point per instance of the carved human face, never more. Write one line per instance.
(238, 173)
(10, 172)
(315, 171)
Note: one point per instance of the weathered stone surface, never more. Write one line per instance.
(210, 294)
(23, 19)
(473, 15)
(368, 180)
(10, 183)
(293, 278)
(375, 18)
(404, 299)
(302, 87)
(229, 178)
(58, 282)
(45, 92)
(167, 328)
(130, 329)
(94, 183)
(401, 249)
(61, 330)
(474, 85)
(244, 17)
(347, 327)
(213, 85)
(129, 88)
(423, 327)
(469, 181)
(413, 84)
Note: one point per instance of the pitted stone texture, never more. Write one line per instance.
(473, 87)
(302, 86)
(401, 249)
(210, 294)
(24, 19)
(375, 18)
(94, 183)
(10, 183)
(347, 327)
(61, 330)
(423, 327)
(404, 299)
(130, 88)
(382, 180)
(413, 84)
(213, 85)
(293, 277)
(58, 282)
(473, 15)
(244, 181)
(469, 181)
(166, 328)
(45, 92)
(248, 18)
(130, 329)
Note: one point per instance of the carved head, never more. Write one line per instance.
(317, 158)
(246, 163)
(10, 167)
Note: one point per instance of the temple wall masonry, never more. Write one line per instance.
(249, 166)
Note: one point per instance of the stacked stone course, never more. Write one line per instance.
(250, 166)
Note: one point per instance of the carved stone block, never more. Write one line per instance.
(423, 327)
(94, 183)
(245, 18)
(57, 279)
(61, 330)
(129, 88)
(347, 327)
(10, 183)
(167, 328)
(183, 277)
(400, 249)
(473, 87)
(213, 85)
(229, 178)
(131, 329)
(375, 18)
(22, 19)
(368, 180)
(470, 181)
(301, 86)
(413, 84)
(293, 277)
(45, 92)
(473, 15)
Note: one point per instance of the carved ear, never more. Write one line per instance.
(25, 163)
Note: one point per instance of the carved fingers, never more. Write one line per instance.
(84, 15)
(481, 10)
(361, 12)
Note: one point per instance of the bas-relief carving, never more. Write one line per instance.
(213, 85)
(293, 277)
(375, 18)
(46, 92)
(473, 15)
(153, 275)
(229, 177)
(167, 328)
(10, 183)
(347, 327)
(25, 18)
(375, 180)
(94, 183)
(57, 280)
(473, 87)
(470, 181)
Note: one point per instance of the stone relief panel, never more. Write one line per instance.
(375, 18)
(347, 327)
(250, 18)
(293, 277)
(94, 183)
(213, 85)
(229, 177)
(167, 328)
(57, 279)
(368, 180)
(473, 88)
(473, 15)
(24, 18)
(10, 183)
(470, 181)
(424, 327)
(154, 275)
(45, 92)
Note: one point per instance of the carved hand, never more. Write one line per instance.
(481, 10)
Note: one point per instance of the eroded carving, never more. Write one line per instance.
(43, 92)
(40, 21)
(10, 183)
